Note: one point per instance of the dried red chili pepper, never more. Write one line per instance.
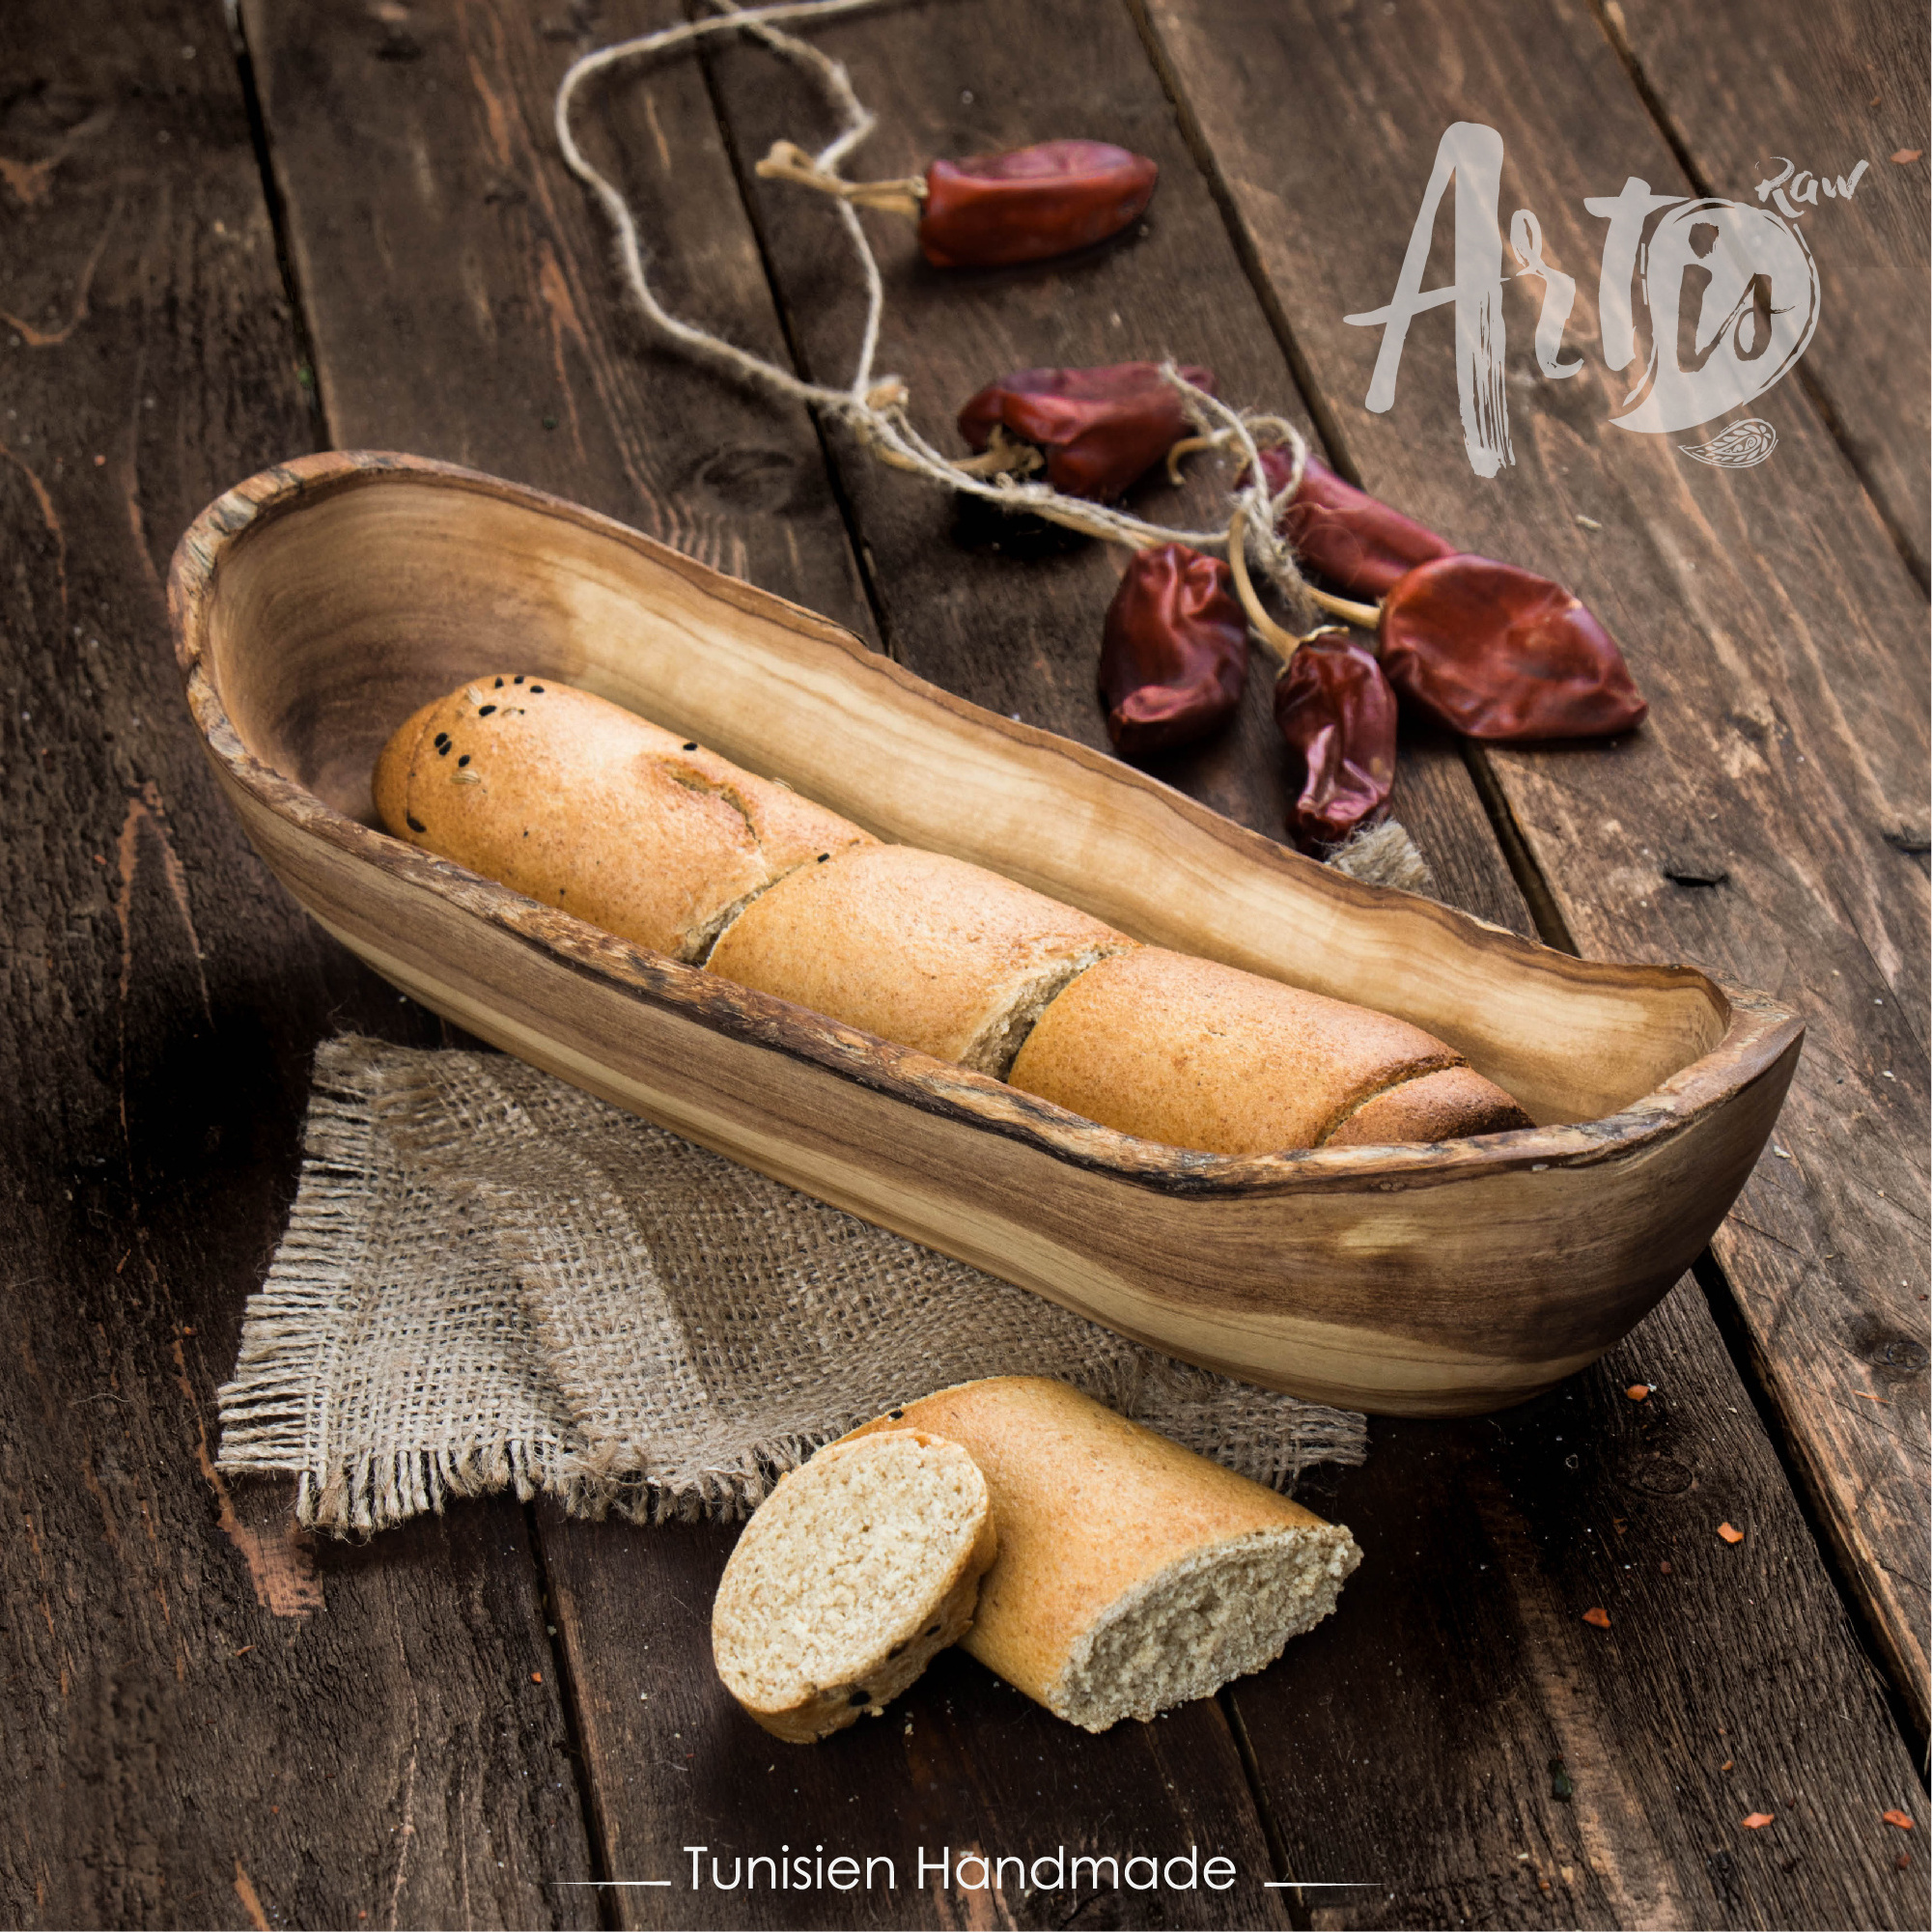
(1500, 653)
(1173, 655)
(990, 209)
(1100, 428)
(1334, 707)
(1350, 538)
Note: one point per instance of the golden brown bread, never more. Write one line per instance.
(584, 805)
(924, 950)
(857, 1570)
(1132, 1573)
(1197, 1054)
(575, 801)
(1438, 1106)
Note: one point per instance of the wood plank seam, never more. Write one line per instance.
(570, 1694)
(1312, 396)
(1551, 928)
(1292, 1902)
(278, 227)
(1709, 1274)
(1672, 136)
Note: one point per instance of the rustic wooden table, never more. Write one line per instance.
(345, 223)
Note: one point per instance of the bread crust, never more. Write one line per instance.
(1092, 1509)
(1444, 1105)
(579, 803)
(938, 1619)
(919, 948)
(1194, 1053)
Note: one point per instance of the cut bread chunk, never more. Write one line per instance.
(1194, 1053)
(582, 804)
(854, 1572)
(1207, 1618)
(921, 949)
(1132, 1575)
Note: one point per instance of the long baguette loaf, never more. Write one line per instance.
(579, 803)
(1131, 1573)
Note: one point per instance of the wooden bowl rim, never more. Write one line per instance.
(1760, 1031)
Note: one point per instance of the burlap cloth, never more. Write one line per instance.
(490, 1280)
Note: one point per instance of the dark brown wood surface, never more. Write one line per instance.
(472, 1721)
(210, 1719)
(1769, 619)
(1741, 88)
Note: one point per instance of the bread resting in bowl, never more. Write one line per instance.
(583, 805)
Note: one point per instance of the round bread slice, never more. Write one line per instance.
(921, 949)
(1194, 1053)
(853, 1574)
(579, 803)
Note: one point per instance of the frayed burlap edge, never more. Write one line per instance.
(275, 1412)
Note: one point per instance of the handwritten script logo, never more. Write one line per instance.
(1710, 301)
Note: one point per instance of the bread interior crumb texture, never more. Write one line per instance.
(844, 1566)
(1208, 1617)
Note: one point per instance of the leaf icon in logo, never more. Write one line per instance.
(1737, 446)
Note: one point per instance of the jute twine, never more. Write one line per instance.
(874, 407)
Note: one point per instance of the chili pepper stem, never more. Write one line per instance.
(1282, 642)
(1004, 455)
(1364, 616)
(789, 162)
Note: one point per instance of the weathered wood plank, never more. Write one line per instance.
(1826, 88)
(1553, 1773)
(208, 1719)
(484, 205)
(1768, 618)
(459, 297)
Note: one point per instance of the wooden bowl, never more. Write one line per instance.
(318, 605)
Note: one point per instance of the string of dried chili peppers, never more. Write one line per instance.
(1487, 648)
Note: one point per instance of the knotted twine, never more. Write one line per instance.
(490, 1280)
(874, 407)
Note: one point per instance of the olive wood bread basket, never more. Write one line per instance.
(318, 605)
